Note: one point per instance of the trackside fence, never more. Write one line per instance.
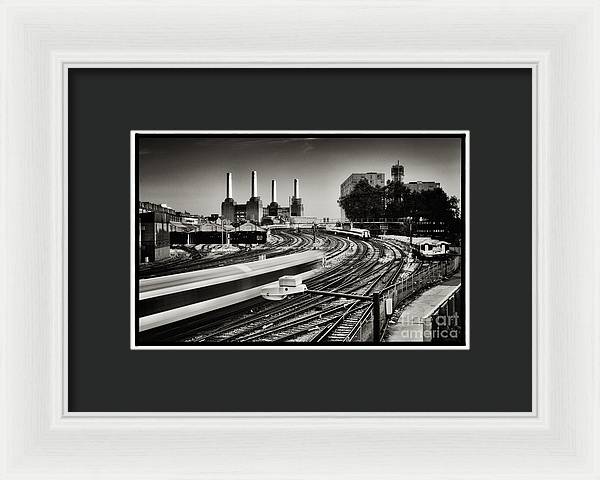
(373, 326)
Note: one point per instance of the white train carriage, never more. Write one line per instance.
(174, 298)
(349, 232)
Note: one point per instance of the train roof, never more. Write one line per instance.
(417, 240)
(149, 287)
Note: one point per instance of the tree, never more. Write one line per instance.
(455, 207)
(396, 200)
(429, 205)
(365, 201)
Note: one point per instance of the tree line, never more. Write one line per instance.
(396, 201)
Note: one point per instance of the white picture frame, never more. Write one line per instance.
(559, 40)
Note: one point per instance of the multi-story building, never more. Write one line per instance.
(373, 178)
(397, 172)
(154, 227)
(154, 236)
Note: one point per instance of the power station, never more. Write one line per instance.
(296, 207)
(273, 209)
(228, 206)
(253, 209)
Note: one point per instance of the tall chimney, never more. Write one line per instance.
(296, 189)
(254, 187)
(229, 188)
(273, 191)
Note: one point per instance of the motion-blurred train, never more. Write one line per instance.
(211, 292)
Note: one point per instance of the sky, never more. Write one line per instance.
(190, 173)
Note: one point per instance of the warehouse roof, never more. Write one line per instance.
(250, 227)
(182, 227)
(214, 227)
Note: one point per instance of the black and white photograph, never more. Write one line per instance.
(300, 240)
(322, 239)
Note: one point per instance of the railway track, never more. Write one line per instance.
(337, 320)
(281, 244)
(305, 317)
(354, 266)
(336, 250)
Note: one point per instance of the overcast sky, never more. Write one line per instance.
(189, 173)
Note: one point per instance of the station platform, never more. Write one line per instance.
(412, 322)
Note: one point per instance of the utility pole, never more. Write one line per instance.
(221, 222)
(376, 318)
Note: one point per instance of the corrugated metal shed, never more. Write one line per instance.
(250, 227)
(213, 227)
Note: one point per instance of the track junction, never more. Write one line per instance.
(352, 265)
